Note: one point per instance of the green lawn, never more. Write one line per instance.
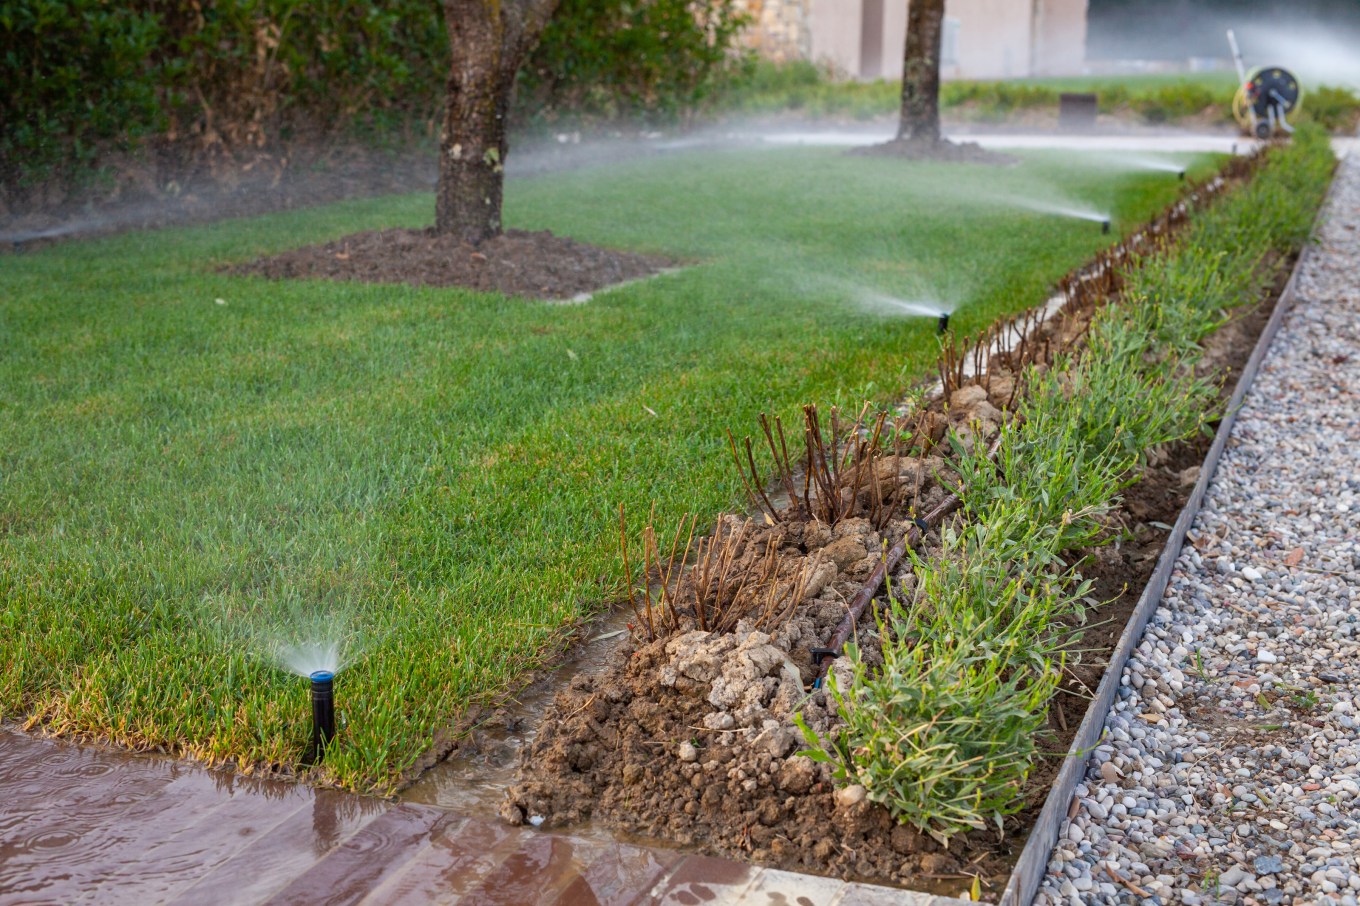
(437, 472)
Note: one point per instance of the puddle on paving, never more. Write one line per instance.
(74, 818)
(473, 780)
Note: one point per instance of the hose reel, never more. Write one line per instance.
(1264, 100)
(1265, 97)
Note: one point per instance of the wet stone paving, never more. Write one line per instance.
(1229, 771)
(81, 825)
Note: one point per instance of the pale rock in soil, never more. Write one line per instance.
(967, 397)
(797, 775)
(851, 795)
(845, 552)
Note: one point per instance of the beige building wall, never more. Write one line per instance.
(894, 38)
(836, 34)
(992, 39)
(1059, 37)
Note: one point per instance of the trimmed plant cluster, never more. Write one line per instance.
(944, 733)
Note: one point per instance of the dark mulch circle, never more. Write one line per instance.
(538, 265)
(942, 150)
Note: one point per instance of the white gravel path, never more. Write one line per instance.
(1230, 768)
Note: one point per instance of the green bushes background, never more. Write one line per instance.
(657, 59)
(85, 81)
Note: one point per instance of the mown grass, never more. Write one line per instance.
(435, 472)
(805, 89)
(945, 733)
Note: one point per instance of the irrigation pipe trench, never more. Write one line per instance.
(1029, 868)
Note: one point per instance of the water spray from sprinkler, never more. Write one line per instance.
(323, 713)
(1058, 208)
(883, 304)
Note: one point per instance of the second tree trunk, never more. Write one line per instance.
(920, 116)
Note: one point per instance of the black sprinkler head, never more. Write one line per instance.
(323, 713)
(943, 323)
(1180, 175)
(1105, 226)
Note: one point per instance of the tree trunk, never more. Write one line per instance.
(489, 39)
(920, 117)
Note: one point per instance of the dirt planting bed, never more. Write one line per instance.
(689, 734)
(691, 737)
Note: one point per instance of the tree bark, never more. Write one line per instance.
(489, 40)
(920, 116)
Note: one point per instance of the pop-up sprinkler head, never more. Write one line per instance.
(1180, 174)
(943, 323)
(1105, 226)
(323, 712)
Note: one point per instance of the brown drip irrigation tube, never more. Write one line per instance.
(821, 657)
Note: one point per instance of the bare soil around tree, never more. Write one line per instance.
(941, 150)
(517, 263)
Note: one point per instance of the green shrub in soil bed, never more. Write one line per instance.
(197, 465)
(945, 733)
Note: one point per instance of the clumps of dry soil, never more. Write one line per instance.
(691, 737)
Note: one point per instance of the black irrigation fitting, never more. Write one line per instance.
(943, 323)
(323, 713)
(819, 655)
